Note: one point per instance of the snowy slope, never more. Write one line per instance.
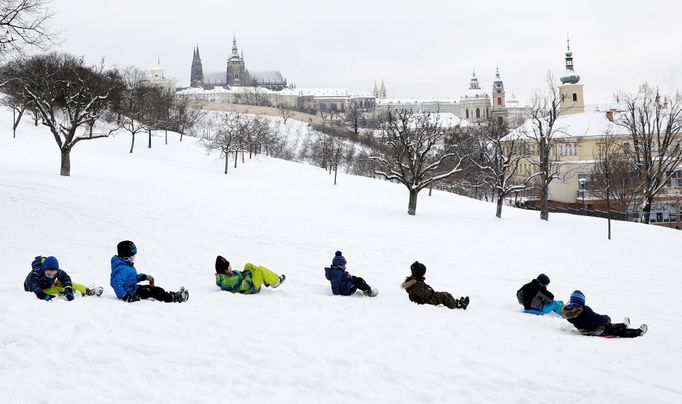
(298, 343)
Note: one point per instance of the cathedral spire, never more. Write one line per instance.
(197, 73)
(235, 51)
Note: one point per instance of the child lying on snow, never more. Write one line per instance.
(47, 280)
(590, 323)
(421, 293)
(248, 281)
(536, 299)
(344, 283)
(124, 279)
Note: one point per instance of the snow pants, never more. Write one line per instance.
(260, 275)
(147, 291)
(360, 283)
(59, 290)
(555, 306)
(443, 298)
(614, 330)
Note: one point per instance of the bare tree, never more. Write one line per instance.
(24, 23)
(285, 111)
(224, 139)
(417, 153)
(67, 94)
(614, 179)
(354, 117)
(132, 110)
(499, 159)
(185, 114)
(655, 128)
(541, 133)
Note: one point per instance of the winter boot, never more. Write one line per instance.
(626, 321)
(463, 302)
(181, 295)
(371, 292)
(643, 329)
(93, 290)
(282, 278)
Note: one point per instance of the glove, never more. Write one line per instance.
(131, 298)
(68, 292)
(150, 279)
(47, 298)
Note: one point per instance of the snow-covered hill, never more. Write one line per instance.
(298, 343)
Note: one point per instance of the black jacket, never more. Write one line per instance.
(583, 318)
(534, 296)
(36, 280)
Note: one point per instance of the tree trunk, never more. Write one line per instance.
(92, 123)
(430, 189)
(181, 135)
(132, 144)
(66, 163)
(544, 205)
(236, 158)
(227, 161)
(412, 206)
(166, 137)
(14, 127)
(150, 138)
(336, 170)
(500, 202)
(242, 156)
(646, 209)
(608, 211)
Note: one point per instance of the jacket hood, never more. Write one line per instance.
(571, 311)
(409, 282)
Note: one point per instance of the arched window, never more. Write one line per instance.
(478, 112)
(499, 100)
(467, 114)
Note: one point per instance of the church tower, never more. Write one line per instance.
(236, 68)
(375, 92)
(571, 92)
(197, 76)
(499, 100)
(382, 90)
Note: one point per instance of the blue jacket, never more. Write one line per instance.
(583, 318)
(124, 277)
(36, 280)
(342, 282)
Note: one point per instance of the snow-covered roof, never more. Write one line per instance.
(391, 101)
(474, 93)
(327, 92)
(223, 90)
(592, 122)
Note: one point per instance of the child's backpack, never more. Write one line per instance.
(37, 262)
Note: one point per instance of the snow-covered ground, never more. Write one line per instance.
(298, 343)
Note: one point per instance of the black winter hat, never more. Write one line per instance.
(126, 249)
(221, 264)
(543, 279)
(418, 269)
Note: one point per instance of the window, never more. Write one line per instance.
(575, 97)
(478, 112)
(467, 114)
(499, 100)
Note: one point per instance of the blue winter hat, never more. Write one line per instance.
(578, 298)
(50, 263)
(338, 260)
(543, 279)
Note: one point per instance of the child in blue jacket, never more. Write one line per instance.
(47, 281)
(125, 279)
(590, 323)
(344, 283)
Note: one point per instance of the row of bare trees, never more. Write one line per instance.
(66, 95)
(235, 133)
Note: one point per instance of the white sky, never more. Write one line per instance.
(423, 48)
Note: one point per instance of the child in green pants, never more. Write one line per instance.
(47, 280)
(248, 281)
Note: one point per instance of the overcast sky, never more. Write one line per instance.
(420, 48)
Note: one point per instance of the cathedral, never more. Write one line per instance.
(236, 74)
